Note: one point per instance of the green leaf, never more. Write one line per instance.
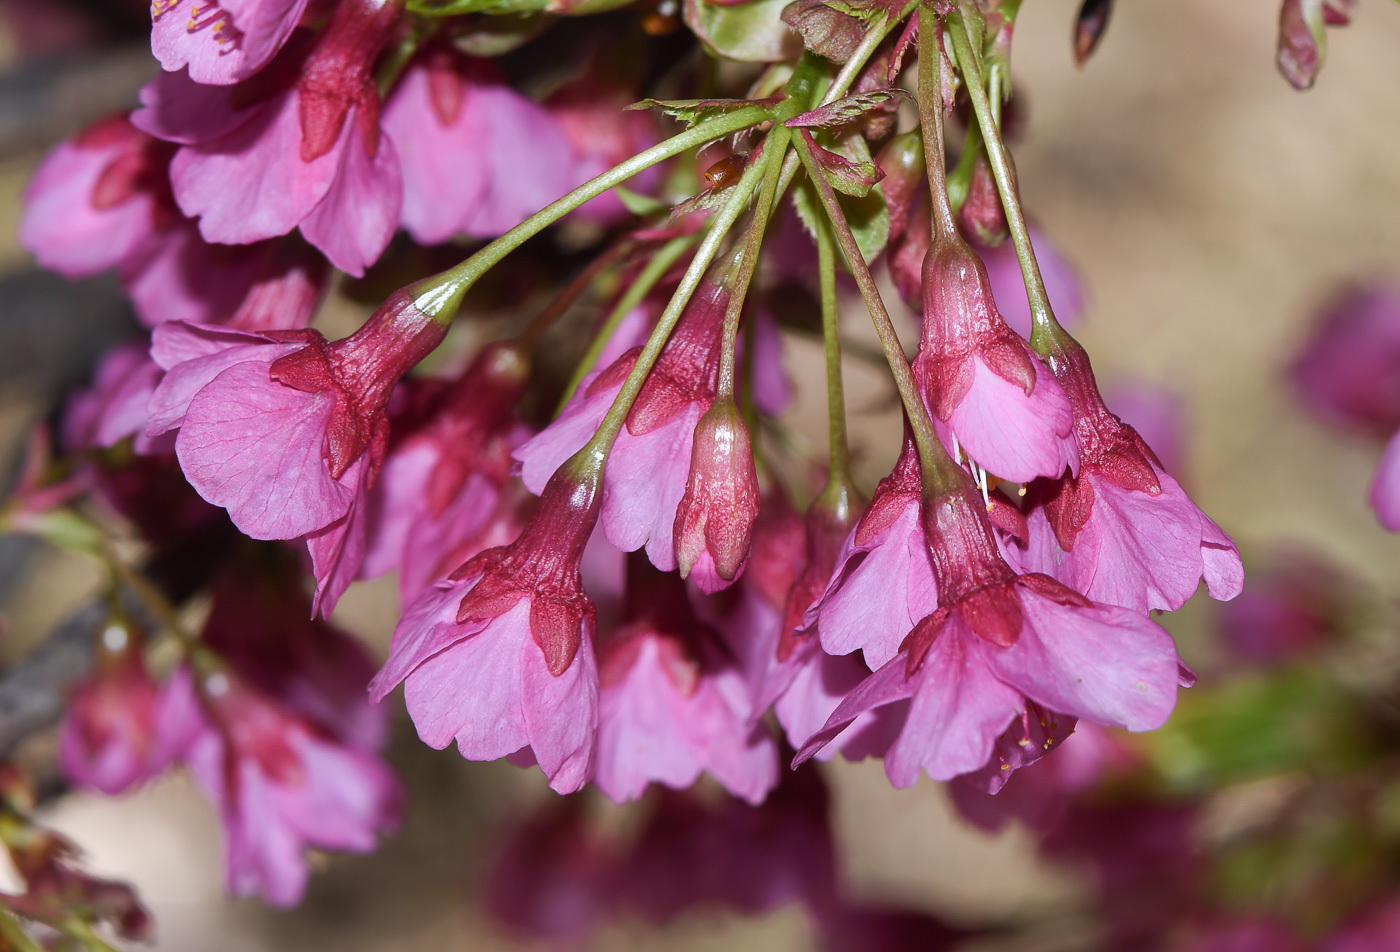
(868, 217)
(691, 111)
(637, 203)
(751, 32)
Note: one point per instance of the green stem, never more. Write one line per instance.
(441, 295)
(831, 341)
(775, 151)
(960, 179)
(654, 271)
(13, 933)
(931, 119)
(1046, 329)
(595, 452)
(938, 468)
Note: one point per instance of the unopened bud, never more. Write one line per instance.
(714, 522)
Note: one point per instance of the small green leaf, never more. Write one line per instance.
(637, 203)
(691, 111)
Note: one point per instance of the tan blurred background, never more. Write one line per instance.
(1209, 208)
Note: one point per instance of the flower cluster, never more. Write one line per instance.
(621, 591)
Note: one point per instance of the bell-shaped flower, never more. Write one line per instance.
(478, 157)
(501, 657)
(985, 389)
(115, 406)
(107, 739)
(882, 580)
(285, 430)
(673, 702)
(279, 784)
(221, 41)
(1122, 531)
(298, 146)
(442, 482)
(649, 463)
(997, 641)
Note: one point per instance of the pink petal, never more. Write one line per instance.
(222, 53)
(959, 709)
(251, 183)
(177, 109)
(427, 627)
(878, 593)
(354, 222)
(561, 714)
(643, 485)
(255, 447)
(532, 162)
(472, 690)
(886, 686)
(338, 549)
(394, 503)
(446, 171)
(63, 229)
(821, 683)
(1014, 436)
(1104, 664)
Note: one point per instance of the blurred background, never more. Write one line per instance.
(1210, 210)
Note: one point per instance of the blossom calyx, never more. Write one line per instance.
(361, 371)
(543, 565)
(714, 523)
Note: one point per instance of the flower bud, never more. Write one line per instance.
(982, 215)
(714, 523)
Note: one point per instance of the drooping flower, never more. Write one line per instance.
(673, 702)
(478, 157)
(97, 201)
(984, 387)
(882, 583)
(442, 483)
(107, 739)
(1122, 531)
(285, 430)
(997, 641)
(714, 520)
(279, 784)
(501, 658)
(221, 41)
(649, 464)
(298, 146)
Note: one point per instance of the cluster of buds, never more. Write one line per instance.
(621, 593)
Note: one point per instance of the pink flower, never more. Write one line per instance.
(441, 485)
(284, 430)
(257, 162)
(1348, 371)
(106, 741)
(984, 387)
(221, 41)
(501, 658)
(115, 406)
(1384, 494)
(1122, 531)
(997, 641)
(714, 521)
(478, 157)
(279, 785)
(269, 285)
(883, 581)
(649, 465)
(97, 200)
(673, 702)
